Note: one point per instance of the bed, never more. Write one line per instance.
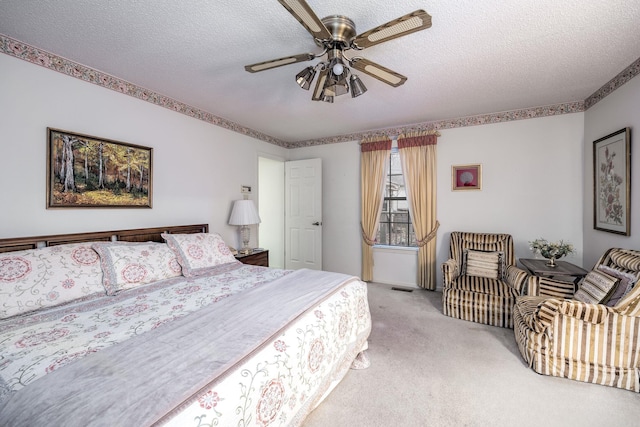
(163, 326)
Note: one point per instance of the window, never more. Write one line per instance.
(395, 223)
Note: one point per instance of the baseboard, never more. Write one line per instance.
(397, 284)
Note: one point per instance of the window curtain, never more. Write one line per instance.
(418, 157)
(374, 156)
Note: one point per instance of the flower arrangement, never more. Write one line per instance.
(550, 250)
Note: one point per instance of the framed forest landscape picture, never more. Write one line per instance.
(612, 182)
(89, 172)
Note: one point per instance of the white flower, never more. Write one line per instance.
(551, 250)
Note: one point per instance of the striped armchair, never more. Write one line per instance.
(469, 295)
(587, 342)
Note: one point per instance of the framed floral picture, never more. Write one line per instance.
(466, 177)
(612, 182)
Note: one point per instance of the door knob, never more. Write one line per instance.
(317, 223)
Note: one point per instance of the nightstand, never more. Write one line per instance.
(257, 257)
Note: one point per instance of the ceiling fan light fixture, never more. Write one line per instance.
(305, 77)
(336, 85)
(357, 87)
(337, 66)
(336, 34)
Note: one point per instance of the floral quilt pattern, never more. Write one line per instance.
(33, 345)
(277, 385)
(286, 379)
(38, 278)
(199, 251)
(127, 265)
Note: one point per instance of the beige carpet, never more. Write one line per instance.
(431, 370)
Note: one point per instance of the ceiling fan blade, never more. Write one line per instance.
(407, 24)
(307, 17)
(267, 65)
(378, 71)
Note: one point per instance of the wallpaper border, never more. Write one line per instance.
(62, 65)
(623, 77)
(481, 119)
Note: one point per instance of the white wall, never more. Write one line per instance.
(532, 170)
(341, 249)
(532, 187)
(618, 110)
(395, 265)
(195, 174)
(271, 207)
(531, 181)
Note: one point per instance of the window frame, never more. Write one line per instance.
(389, 225)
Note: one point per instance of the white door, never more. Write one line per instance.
(303, 214)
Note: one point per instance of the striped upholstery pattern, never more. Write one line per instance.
(585, 342)
(544, 286)
(481, 299)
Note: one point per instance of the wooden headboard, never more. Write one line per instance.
(134, 235)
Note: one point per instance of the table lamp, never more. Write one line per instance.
(244, 214)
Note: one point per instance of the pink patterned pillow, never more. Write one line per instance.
(127, 265)
(39, 278)
(198, 252)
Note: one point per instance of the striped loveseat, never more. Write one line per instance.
(589, 342)
(470, 294)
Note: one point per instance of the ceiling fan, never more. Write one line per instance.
(336, 34)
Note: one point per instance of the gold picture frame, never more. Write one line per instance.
(612, 183)
(85, 171)
(466, 177)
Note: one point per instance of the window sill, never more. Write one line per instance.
(398, 249)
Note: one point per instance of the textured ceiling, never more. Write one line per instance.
(479, 57)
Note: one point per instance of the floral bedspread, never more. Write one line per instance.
(284, 381)
(33, 345)
(277, 385)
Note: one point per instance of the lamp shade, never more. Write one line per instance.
(244, 213)
(357, 87)
(305, 77)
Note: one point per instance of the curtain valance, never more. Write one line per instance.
(375, 144)
(418, 139)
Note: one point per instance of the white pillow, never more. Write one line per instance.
(483, 264)
(38, 278)
(199, 252)
(127, 265)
